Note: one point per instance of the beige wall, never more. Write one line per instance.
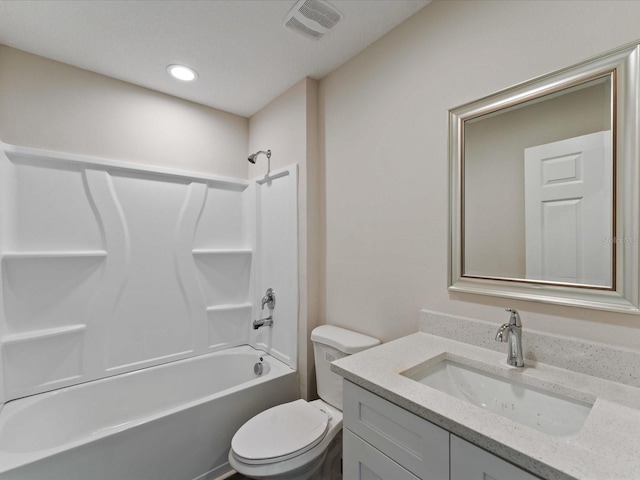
(288, 127)
(50, 105)
(384, 141)
(281, 127)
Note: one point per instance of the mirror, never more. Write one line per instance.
(538, 188)
(544, 188)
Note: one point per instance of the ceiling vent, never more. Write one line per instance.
(312, 18)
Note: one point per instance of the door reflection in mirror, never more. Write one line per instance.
(569, 210)
(538, 188)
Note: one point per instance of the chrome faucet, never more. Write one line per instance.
(263, 322)
(512, 332)
(269, 299)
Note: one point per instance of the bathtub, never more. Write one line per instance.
(173, 421)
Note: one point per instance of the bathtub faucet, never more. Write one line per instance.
(263, 322)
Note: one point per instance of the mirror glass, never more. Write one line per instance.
(538, 188)
(545, 188)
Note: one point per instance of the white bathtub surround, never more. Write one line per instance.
(165, 422)
(109, 266)
(606, 447)
(600, 360)
(276, 224)
(114, 275)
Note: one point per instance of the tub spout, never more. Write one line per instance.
(263, 322)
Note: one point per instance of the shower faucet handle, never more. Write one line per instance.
(269, 299)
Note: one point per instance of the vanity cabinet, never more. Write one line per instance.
(383, 441)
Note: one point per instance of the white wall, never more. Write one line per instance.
(50, 105)
(383, 132)
(288, 126)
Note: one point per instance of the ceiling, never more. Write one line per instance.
(243, 54)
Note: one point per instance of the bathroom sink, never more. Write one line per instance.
(545, 411)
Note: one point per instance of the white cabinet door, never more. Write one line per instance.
(469, 462)
(418, 445)
(363, 462)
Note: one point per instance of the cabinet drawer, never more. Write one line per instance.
(469, 462)
(417, 445)
(363, 462)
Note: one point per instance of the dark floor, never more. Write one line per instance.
(237, 476)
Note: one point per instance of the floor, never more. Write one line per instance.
(237, 476)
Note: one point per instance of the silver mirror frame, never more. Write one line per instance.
(625, 297)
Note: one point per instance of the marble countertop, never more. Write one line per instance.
(607, 447)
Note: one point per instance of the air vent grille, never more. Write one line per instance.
(319, 12)
(312, 18)
(297, 25)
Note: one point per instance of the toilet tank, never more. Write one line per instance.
(329, 344)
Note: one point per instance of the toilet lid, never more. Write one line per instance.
(282, 432)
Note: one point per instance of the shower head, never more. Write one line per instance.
(252, 158)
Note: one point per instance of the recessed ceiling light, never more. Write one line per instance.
(182, 72)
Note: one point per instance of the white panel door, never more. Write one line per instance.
(568, 210)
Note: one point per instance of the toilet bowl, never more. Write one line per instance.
(301, 440)
(289, 441)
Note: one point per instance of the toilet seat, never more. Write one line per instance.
(280, 433)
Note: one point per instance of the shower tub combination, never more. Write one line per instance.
(172, 421)
(114, 273)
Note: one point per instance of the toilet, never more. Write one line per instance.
(301, 440)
